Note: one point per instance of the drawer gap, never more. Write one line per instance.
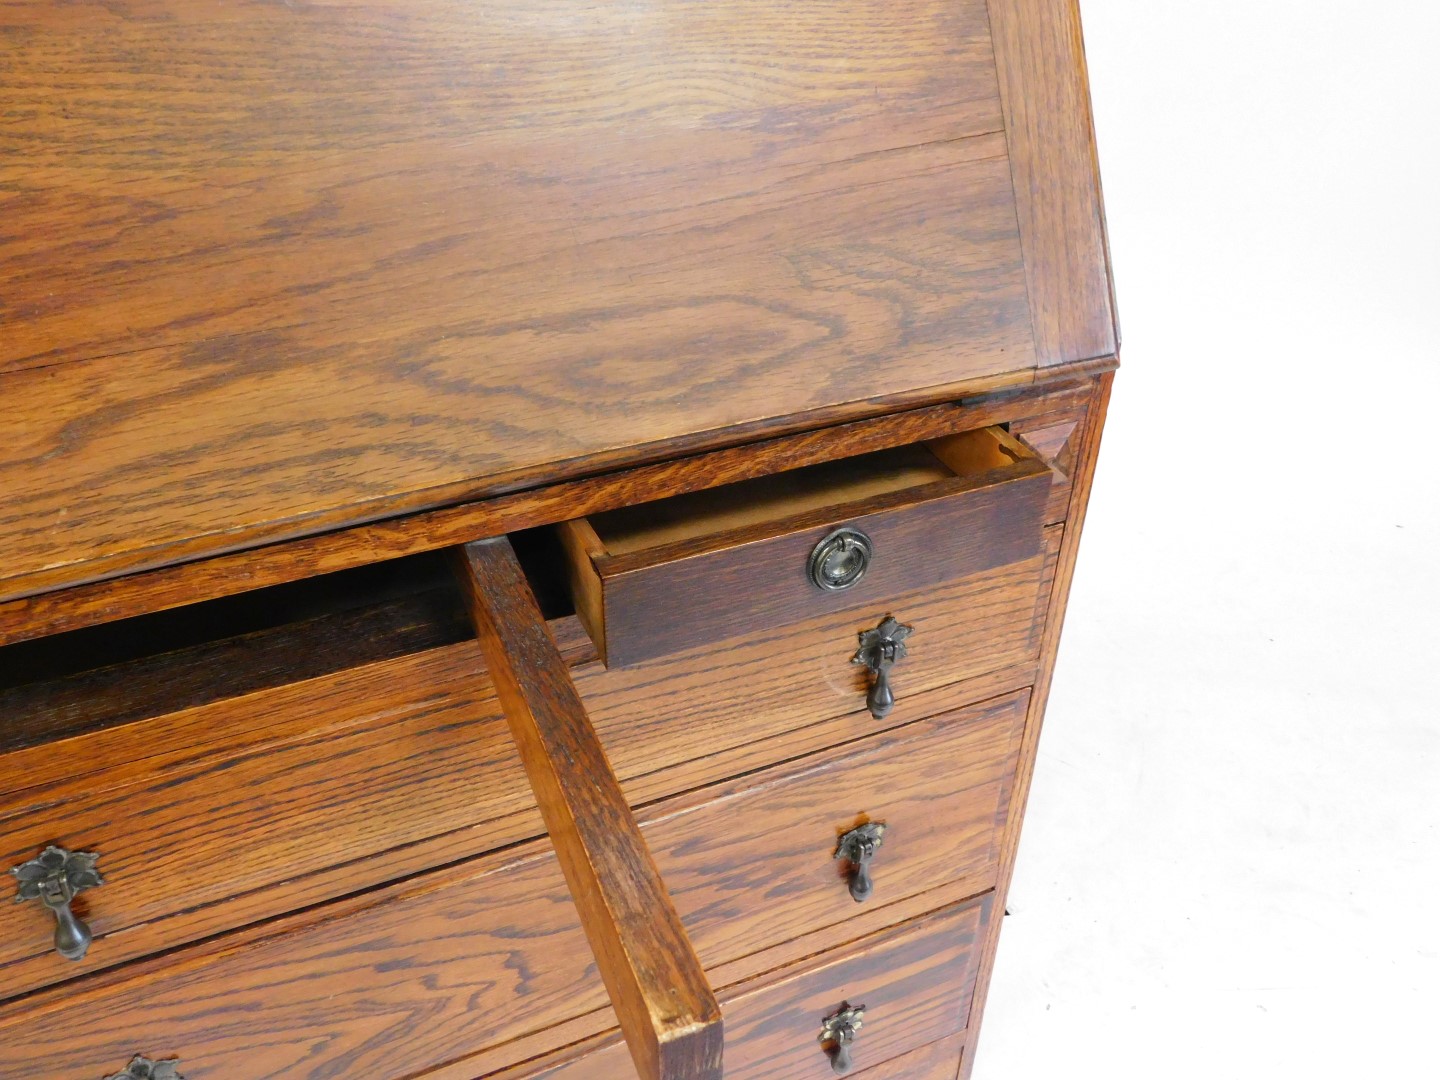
(100, 676)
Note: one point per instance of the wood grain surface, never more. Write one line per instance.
(1040, 55)
(379, 759)
(473, 821)
(666, 1008)
(401, 982)
(755, 686)
(274, 269)
(750, 863)
(753, 577)
(241, 571)
(386, 987)
(915, 982)
(938, 1061)
(1086, 457)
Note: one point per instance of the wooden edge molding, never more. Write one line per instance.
(667, 1011)
(1040, 57)
(1094, 423)
(52, 612)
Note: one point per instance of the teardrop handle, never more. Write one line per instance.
(857, 847)
(55, 877)
(880, 650)
(838, 1031)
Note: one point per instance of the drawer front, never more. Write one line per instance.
(469, 958)
(381, 988)
(249, 794)
(663, 577)
(915, 983)
(378, 769)
(752, 863)
(746, 689)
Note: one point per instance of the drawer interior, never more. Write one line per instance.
(775, 498)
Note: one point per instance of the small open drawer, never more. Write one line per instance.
(662, 576)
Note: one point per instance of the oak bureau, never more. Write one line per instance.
(533, 535)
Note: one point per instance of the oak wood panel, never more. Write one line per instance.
(477, 251)
(752, 577)
(916, 982)
(759, 683)
(353, 152)
(751, 862)
(240, 571)
(981, 732)
(580, 1036)
(386, 987)
(501, 813)
(666, 1008)
(421, 972)
(1040, 56)
(1086, 457)
(938, 1061)
(128, 789)
(252, 792)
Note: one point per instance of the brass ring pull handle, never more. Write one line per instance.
(840, 560)
(55, 877)
(838, 1031)
(857, 847)
(880, 650)
(142, 1068)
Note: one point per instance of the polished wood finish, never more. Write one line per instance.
(226, 575)
(301, 299)
(934, 1062)
(743, 551)
(1040, 56)
(667, 1010)
(1086, 456)
(450, 737)
(389, 984)
(750, 863)
(184, 808)
(915, 981)
(758, 685)
(397, 742)
(384, 214)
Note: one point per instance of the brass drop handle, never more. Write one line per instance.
(55, 877)
(857, 847)
(142, 1068)
(838, 1031)
(880, 650)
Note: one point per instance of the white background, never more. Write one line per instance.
(1231, 863)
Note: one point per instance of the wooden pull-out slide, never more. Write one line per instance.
(667, 1010)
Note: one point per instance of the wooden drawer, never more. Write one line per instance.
(243, 808)
(469, 958)
(745, 690)
(750, 864)
(915, 983)
(245, 799)
(696, 569)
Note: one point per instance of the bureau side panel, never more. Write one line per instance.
(1084, 473)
